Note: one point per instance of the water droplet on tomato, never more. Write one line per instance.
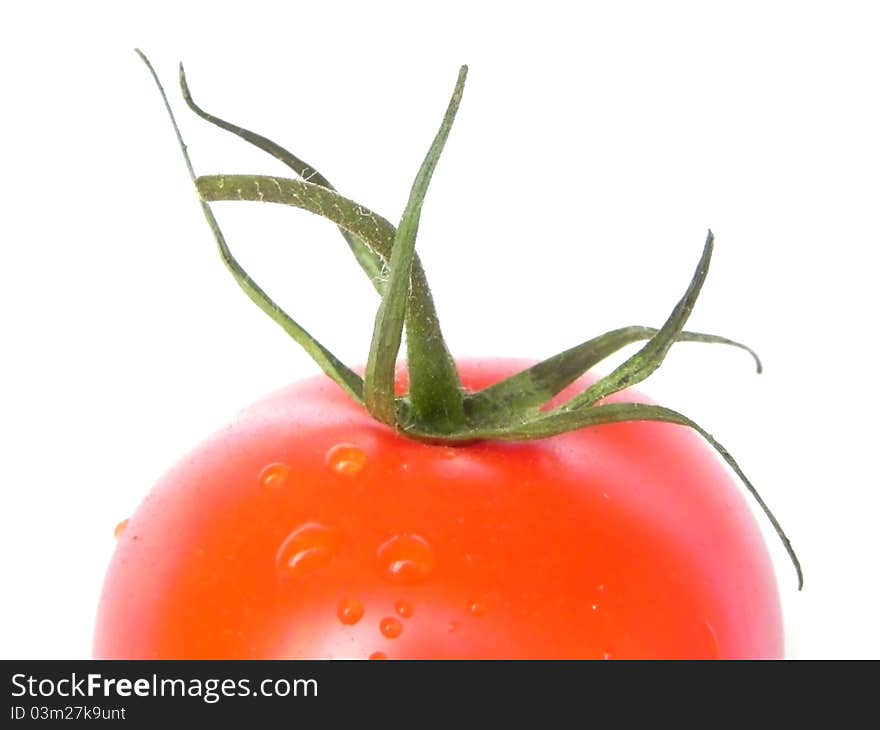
(308, 547)
(406, 558)
(350, 611)
(477, 608)
(346, 459)
(274, 475)
(390, 627)
(607, 654)
(594, 607)
(378, 655)
(403, 608)
(120, 528)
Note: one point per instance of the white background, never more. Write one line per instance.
(595, 145)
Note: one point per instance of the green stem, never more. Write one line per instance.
(434, 381)
(434, 387)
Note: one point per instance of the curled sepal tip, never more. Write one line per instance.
(638, 367)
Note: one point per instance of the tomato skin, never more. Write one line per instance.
(308, 530)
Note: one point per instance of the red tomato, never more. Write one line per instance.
(308, 530)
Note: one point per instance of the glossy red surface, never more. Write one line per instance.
(307, 530)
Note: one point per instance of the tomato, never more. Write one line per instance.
(442, 509)
(307, 529)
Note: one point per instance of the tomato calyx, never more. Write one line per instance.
(436, 409)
